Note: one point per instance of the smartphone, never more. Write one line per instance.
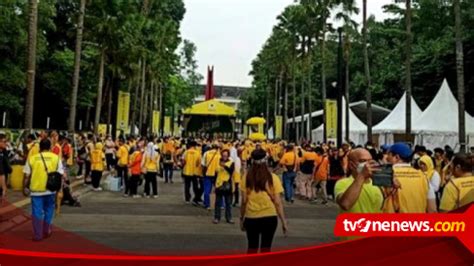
(384, 176)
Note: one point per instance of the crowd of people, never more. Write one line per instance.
(254, 175)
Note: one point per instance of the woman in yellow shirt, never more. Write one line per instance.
(151, 166)
(261, 204)
(97, 166)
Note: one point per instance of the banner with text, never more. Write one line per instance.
(123, 108)
(331, 119)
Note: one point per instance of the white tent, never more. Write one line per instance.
(394, 123)
(358, 130)
(438, 125)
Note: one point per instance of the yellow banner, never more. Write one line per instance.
(176, 129)
(167, 128)
(123, 108)
(278, 127)
(156, 122)
(331, 119)
(102, 130)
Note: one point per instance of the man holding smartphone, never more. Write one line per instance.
(356, 194)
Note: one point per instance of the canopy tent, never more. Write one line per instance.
(358, 130)
(438, 125)
(210, 119)
(359, 108)
(394, 123)
(211, 107)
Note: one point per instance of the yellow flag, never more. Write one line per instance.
(167, 128)
(156, 122)
(123, 108)
(331, 119)
(278, 126)
(176, 129)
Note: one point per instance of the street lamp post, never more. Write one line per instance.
(339, 88)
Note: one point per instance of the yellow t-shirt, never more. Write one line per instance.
(259, 204)
(290, 160)
(212, 159)
(39, 177)
(122, 155)
(458, 192)
(413, 194)
(97, 160)
(222, 174)
(370, 199)
(192, 159)
(151, 164)
(33, 150)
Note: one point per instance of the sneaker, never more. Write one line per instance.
(215, 221)
(187, 202)
(136, 196)
(195, 204)
(230, 222)
(125, 195)
(314, 201)
(292, 201)
(155, 196)
(147, 197)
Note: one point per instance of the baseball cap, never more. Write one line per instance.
(401, 149)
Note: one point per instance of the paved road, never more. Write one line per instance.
(169, 226)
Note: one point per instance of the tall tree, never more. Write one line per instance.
(460, 74)
(367, 71)
(408, 56)
(77, 67)
(32, 36)
(100, 85)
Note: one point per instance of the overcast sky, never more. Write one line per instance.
(230, 33)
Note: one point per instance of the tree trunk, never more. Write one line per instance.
(142, 97)
(267, 106)
(408, 71)
(302, 109)
(87, 119)
(135, 99)
(275, 108)
(347, 86)
(109, 107)
(367, 72)
(31, 71)
(295, 125)
(160, 107)
(77, 68)
(285, 117)
(310, 107)
(99, 91)
(460, 75)
(323, 76)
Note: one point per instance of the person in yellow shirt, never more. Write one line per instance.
(290, 163)
(415, 194)
(224, 187)
(191, 160)
(36, 171)
(97, 166)
(459, 191)
(261, 205)
(122, 164)
(210, 162)
(169, 159)
(356, 194)
(151, 166)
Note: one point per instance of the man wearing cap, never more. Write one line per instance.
(414, 194)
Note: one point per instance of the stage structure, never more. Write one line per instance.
(211, 118)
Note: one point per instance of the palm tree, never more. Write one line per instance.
(77, 67)
(408, 70)
(100, 85)
(367, 71)
(460, 74)
(32, 36)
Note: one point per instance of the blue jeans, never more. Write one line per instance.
(209, 182)
(168, 172)
(288, 181)
(42, 210)
(221, 200)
